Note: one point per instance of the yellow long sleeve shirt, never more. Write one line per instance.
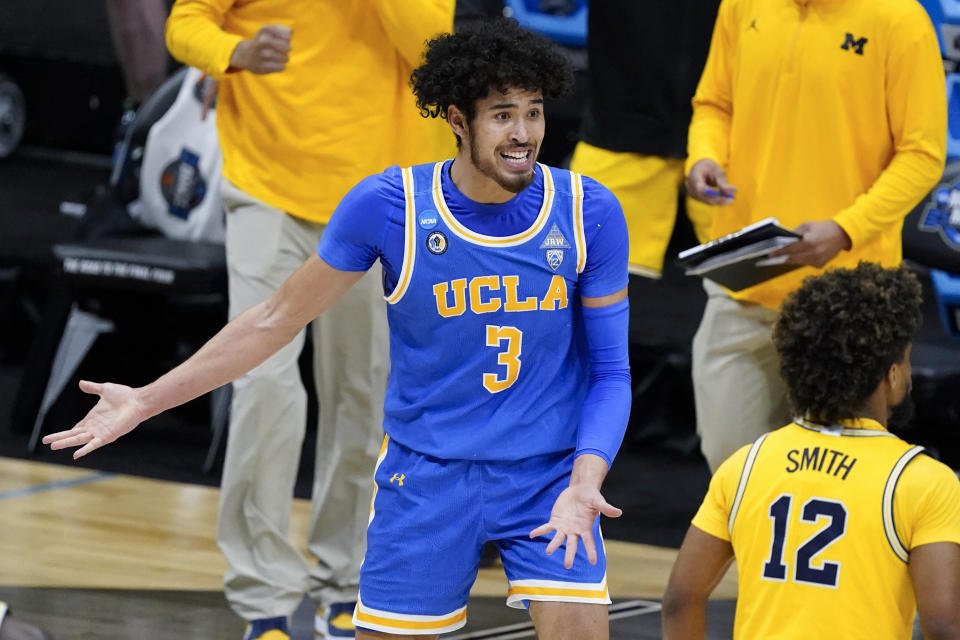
(822, 110)
(342, 108)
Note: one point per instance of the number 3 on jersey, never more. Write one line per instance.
(509, 357)
(827, 573)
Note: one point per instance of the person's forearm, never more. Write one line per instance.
(941, 633)
(409, 24)
(906, 180)
(701, 564)
(244, 343)
(251, 337)
(194, 35)
(684, 621)
(589, 470)
(709, 135)
(606, 407)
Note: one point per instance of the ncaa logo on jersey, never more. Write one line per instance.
(436, 243)
(942, 216)
(427, 219)
(555, 243)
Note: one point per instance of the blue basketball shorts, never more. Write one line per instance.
(429, 521)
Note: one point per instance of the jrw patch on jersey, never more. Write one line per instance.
(555, 244)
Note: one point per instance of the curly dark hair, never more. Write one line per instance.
(461, 68)
(839, 333)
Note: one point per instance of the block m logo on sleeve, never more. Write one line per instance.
(857, 45)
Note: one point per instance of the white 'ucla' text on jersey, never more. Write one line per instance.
(493, 320)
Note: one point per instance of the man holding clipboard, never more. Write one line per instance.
(830, 116)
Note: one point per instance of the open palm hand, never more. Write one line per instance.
(572, 518)
(116, 413)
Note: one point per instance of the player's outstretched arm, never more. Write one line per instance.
(701, 563)
(244, 343)
(576, 508)
(935, 573)
(603, 419)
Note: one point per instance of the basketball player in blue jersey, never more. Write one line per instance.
(839, 528)
(505, 282)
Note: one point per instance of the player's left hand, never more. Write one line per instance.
(572, 519)
(819, 242)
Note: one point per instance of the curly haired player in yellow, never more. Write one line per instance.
(840, 529)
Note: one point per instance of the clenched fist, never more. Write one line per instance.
(266, 52)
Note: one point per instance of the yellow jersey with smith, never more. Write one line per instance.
(822, 520)
(822, 110)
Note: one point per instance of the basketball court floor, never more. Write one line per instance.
(93, 554)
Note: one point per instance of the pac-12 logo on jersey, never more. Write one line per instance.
(554, 258)
(436, 242)
(555, 243)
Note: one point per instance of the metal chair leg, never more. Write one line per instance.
(82, 330)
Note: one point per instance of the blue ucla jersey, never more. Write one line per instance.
(486, 357)
(486, 352)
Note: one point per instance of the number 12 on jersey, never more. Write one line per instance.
(825, 574)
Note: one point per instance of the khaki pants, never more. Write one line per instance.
(736, 378)
(267, 575)
(648, 189)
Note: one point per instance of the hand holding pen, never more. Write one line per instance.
(707, 182)
(719, 194)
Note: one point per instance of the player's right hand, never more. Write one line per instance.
(707, 182)
(266, 52)
(116, 413)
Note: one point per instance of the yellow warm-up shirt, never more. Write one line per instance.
(820, 110)
(822, 520)
(342, 108)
